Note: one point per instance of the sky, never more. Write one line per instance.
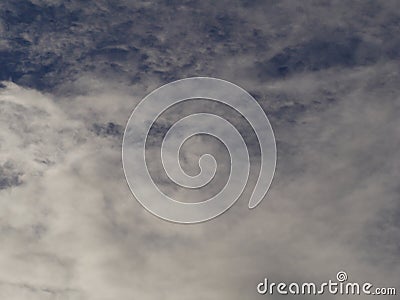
(325, 72)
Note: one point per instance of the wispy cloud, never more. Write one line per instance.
(326, 74)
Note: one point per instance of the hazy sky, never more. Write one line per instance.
(325, 72)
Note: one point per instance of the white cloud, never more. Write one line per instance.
(71, 229)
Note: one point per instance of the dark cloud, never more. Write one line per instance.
(319, 54)
(9, 175)
(109, 129)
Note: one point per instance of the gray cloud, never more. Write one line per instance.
(69, 227)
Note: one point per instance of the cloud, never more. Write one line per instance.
(69, 226)
(72, 226)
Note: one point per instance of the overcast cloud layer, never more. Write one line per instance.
(325, 72)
